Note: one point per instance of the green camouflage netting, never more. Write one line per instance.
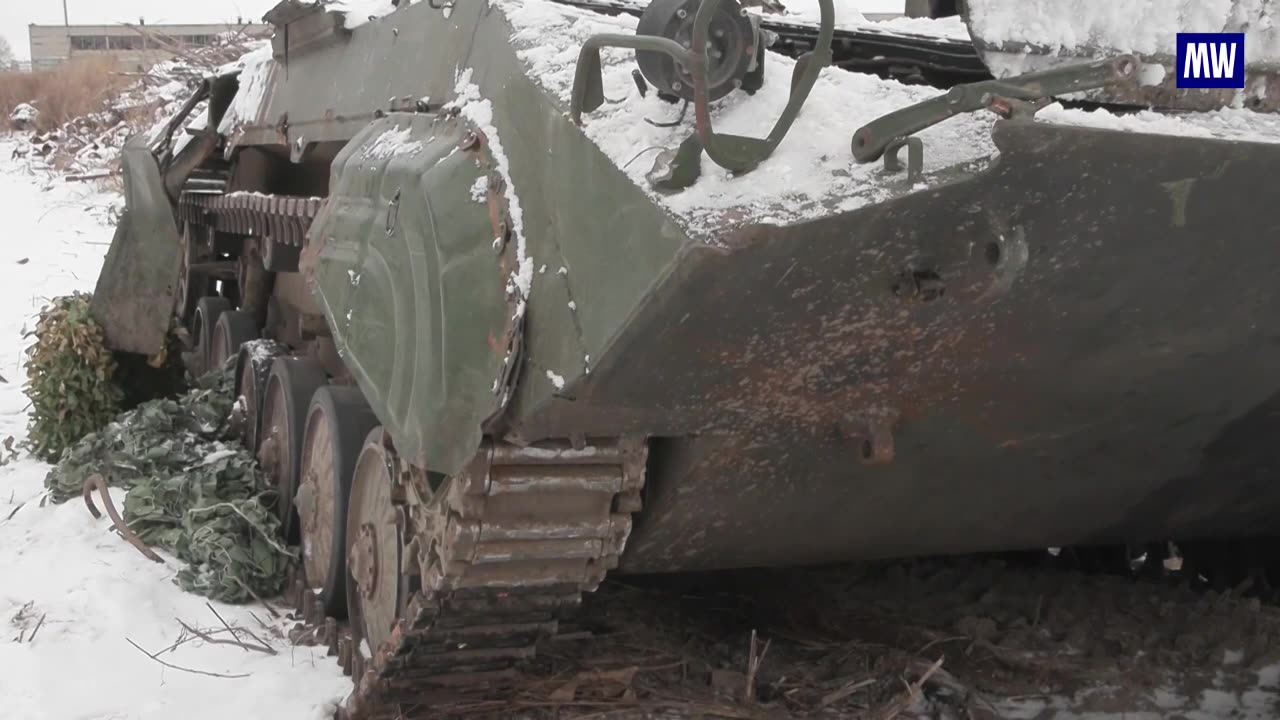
(193, 490)
(70, 378)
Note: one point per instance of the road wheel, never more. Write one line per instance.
(290, 385)
(233, 329)
(192, 286)
(208, 311)
(376, 589)
(253, 366)
(337, 423)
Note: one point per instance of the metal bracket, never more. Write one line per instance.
(736, 153)
(873, 139)
(915, 157)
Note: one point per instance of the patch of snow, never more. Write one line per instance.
(24, 112)
(556, 380)
(239, 63)
(393, 142)
(219, 455)
(260, 350)
(879, 7)
(359, 12)
(1149, 27)
(199, 122)
(1226, 124)
(566, 453)
(952, 28)
(810, 175)
(480, 190)
(1152, 74)
(255, 78)
(95, 592)
(479, 111)
(852, 15)
(848, 14)
(258, 193)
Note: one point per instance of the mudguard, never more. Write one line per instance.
(407, 270)
(134, 298)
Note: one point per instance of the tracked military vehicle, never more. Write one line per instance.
(525, 293)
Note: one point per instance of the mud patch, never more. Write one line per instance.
(946, 639)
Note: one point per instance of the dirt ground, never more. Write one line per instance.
(971, 638)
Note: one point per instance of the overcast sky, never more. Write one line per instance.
(15, 15)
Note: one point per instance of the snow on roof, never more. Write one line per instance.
(810, 175)
(1147, 27)
(360, 12)
(237, 65)
(255, 75)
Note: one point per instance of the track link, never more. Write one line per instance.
(493, 561)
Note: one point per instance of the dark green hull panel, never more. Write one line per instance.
(1100, 365)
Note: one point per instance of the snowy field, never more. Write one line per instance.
(74, 597)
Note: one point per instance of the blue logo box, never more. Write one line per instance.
(1210, 60)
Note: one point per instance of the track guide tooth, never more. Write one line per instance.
(331, 635)
(560, 453)
(344, 654)
(533, 531)
(511, 551)
(602, 479)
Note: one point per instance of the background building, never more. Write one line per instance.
(136, 47)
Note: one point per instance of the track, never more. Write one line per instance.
(490, 562)
(506, 549)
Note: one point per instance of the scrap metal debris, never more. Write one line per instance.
(96, 482)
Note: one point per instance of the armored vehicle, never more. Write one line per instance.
(524, 292)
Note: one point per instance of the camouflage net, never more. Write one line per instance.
(193, 490)
(70, 378)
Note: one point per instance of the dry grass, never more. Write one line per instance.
(71, 90)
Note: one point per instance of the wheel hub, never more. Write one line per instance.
(732, 46)
(269, 454)
(364, 561)
(375, 537)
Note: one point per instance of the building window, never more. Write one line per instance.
(124, 42)
(198, 40)
(88, 42)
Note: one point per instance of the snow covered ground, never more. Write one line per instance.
(75, 593)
